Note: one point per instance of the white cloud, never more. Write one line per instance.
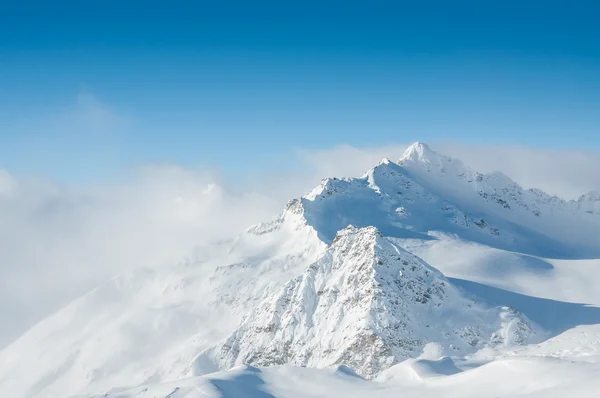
(56, 242)
(349, 161)
(564, 172)
(92, 114)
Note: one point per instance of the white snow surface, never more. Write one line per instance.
(421, 278)
(523, 377)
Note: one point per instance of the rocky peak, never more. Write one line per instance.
(367, 304)
(350, 234)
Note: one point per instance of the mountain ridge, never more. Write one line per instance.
(96, 344)
(427, 192)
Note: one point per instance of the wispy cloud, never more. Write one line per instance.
(85, 134)
(349, 161)
(92, 115)
(57, 241)
(564, 172)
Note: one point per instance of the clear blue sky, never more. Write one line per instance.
(88, 88)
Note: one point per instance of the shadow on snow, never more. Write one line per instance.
(552, 315)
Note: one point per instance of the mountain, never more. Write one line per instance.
(590, 202)
(368, 304)
(426, 192)
(335, 280)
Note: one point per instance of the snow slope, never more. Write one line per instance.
(306, 290)
(522, 377)
(564, 366)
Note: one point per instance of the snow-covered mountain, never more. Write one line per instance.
(427, 192)
(368, 304)
(335, 280)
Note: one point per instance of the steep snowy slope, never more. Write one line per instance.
(367, 304)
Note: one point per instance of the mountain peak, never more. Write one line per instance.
(419, 151)
(368, 304)
(371, 233)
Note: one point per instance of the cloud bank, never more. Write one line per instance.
(56, 242)
(567, 173)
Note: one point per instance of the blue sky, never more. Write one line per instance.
(88, 89)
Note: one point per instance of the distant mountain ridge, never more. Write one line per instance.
(426, 192)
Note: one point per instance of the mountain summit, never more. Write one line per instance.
(419, 152)
(427, 193)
